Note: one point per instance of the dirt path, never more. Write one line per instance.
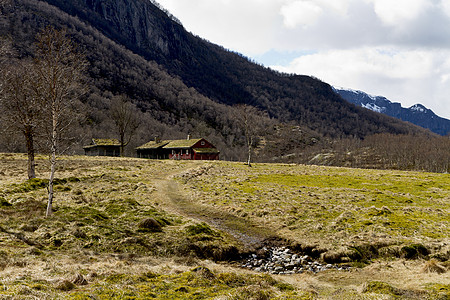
(174, 199)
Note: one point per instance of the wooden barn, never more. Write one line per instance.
(189, 149)
(103, 147)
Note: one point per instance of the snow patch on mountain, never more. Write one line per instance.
(374, 107)
(419, 108)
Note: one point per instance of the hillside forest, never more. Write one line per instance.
(299, 119)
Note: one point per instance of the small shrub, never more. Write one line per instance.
(149, 225)
(414, 251)
(379, 287)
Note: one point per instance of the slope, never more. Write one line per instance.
(223, 76)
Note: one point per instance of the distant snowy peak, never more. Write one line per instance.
(361, 93)
(419, 108)
(360, 98)
(416, 114)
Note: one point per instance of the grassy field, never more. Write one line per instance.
(139, 229)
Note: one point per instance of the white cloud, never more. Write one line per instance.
(394, 12)
(402, 75)
(300, 12)
(445, 5)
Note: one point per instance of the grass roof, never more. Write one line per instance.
(106, 142)
(170, 144)
(153, 145)
(103, 142)
(185, 144)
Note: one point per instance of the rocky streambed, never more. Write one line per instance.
(282, 260)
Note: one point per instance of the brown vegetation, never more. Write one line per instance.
(145, 229)
(381, 151)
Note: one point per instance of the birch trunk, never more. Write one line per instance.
(54, 139)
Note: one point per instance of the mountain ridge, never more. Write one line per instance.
(175, 99)
(417, 114)
(224, 76)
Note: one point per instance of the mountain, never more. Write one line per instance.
(416, 114)
(182, 83)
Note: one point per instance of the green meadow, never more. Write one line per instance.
(128, 228)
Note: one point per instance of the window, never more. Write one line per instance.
(203, 143)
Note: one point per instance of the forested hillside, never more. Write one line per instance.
(224, 76)
(183, 84)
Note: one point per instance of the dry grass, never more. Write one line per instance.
(332, 207)
(100, 230)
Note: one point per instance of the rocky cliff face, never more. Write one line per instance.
(139, 25)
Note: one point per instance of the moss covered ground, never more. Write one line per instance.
(333, 206)
(142, 229)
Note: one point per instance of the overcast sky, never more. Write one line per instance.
(399, 49)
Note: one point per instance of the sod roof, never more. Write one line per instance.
(170, 144)
(182, 144)
(103, 142)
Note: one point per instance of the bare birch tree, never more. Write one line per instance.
(250, 119)
(19, 104)
(125, 117)
(59, 72)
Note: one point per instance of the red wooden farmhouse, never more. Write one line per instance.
(189, 149)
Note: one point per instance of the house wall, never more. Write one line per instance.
(182, 154)
(214, 156)
(185, 154)
(102, 151)
(153, 154)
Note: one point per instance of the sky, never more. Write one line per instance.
(399, 49)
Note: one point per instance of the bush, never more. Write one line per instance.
(379, 287)
(414, 251)
(149, 225)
